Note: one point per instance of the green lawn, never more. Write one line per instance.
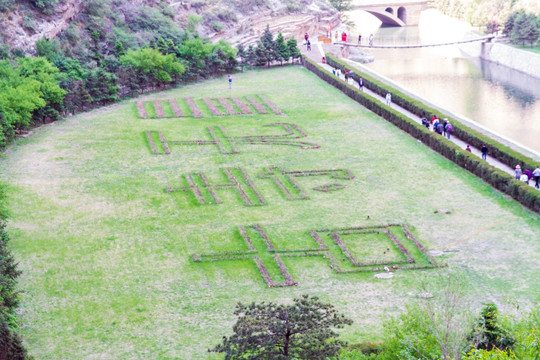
(106, 251)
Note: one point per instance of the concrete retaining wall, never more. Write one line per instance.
(503, 54)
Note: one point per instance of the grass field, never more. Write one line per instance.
(106, 250)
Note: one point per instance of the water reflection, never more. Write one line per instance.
(504, 100)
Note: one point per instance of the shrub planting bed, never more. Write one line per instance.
(500, 180)
(141, 110)
(175, 108)
(195, 112)
(323, 251)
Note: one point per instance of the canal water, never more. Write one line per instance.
(499, 98)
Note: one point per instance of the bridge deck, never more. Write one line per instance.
(484, 38)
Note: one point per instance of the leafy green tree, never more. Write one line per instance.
(281, 50)
(193, 53)
(40, 69)
(268, 331)
(488, 332)
(20, 96)
(527, 333)
(156, 66)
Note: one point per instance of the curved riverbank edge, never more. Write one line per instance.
(512, 144)
(499, 179)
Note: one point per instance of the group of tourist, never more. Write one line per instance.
(527, 175)
(344, 37)
(443, 128)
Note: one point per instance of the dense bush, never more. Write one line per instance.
(500, 180)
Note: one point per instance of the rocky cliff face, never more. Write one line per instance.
(237, 21)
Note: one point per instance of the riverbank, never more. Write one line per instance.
(500, 53)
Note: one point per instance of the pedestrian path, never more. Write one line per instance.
(317, 57)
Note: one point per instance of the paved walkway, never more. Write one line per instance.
(316, 54)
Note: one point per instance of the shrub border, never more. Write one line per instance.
(500, 180)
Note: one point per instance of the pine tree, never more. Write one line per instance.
(267, 43)
(268, 331)
(281, 50)
(294, 52)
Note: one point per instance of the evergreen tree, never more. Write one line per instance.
(102, 86)
(267, 52)
(294, 52)
(11, 347)
(525, 28)
(281, 49)
(268, 331)
(488, 333)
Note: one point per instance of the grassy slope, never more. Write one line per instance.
(106, 251)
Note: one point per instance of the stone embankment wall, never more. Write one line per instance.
(503, 54)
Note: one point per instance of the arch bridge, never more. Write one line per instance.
(393, 13)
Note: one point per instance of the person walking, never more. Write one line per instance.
(359, 39)
(361, 84)
(517, 172)
(425, 121)
(524, 178)
(528, 173)
(484, 151)
(468, 148)
(536, 174)
(449, 129)
(371, 40)
(306, 36)
(388, 99)
(230, 82)
(308, 45)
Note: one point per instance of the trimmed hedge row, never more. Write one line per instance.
(499, 179)
(497, 150)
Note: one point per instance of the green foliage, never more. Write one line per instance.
(40, 69)
(488, 333)
(281, 49)
(45, 5)
(268, 331)
(48, 49)
(525, 28)
(102, 86)
(9, 294)
(294, 51)
(5, 5)
(527, 333)
(154, 24)
(341, 5)
(11, 347)
(495, 354)
(153, 65)
(5, 50)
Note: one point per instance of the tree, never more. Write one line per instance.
(294, 52)
(281, 50)
(268, 331)
(525, 29)
(341, 5)
(488, 334)
(265, 48)
(153, 65)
